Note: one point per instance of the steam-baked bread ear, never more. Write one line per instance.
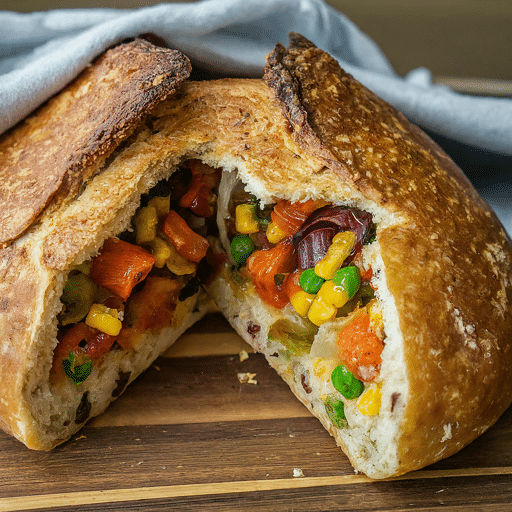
(440, 260)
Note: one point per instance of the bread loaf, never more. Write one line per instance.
(401, 348)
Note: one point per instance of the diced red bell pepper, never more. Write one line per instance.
(152, 308)
(83, 341)
(120, 266)
(199, 197)
(263, 266)
(188, 243)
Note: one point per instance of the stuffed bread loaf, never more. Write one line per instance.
(335, 236)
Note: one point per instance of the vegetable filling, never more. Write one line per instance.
(303, 258)
(308, 256)
(138, 281)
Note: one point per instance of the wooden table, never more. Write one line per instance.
(187, 435)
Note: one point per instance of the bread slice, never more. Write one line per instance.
(440, 264)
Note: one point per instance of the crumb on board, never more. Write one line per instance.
(243, 355)
(298, 473)
(247, 378)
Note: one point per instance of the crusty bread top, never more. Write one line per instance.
(448, 259)
(68, 139)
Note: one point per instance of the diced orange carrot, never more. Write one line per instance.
(263, 266)
(289, 216)
(188, 243)
(360, 349)
(120, 266)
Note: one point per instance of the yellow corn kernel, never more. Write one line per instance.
(319, 367)
(321, 311)
(245, 221)
(274, 233)
(161, 205)
(369, 402)
(301, 301)
(161, 251)
(104, 319)
(376, 320)
(178, 264)
(323, 367)
(145, 222)
(333, 294)
(338, 252)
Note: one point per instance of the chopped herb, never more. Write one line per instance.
(262, 215)
(77, 374)
(371, 234)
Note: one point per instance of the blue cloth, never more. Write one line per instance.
(42, 51)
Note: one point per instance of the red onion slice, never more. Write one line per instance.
(313, 246)
(316, 234)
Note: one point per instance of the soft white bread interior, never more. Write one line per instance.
(440, 261)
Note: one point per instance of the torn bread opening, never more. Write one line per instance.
(299, 280)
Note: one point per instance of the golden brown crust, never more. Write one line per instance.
(66, 140)
(448, 264)
(19, 304)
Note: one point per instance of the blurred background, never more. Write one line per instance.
(458, 40)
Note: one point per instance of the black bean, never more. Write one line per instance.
(190, 289)
(84, 409)
(121, 382)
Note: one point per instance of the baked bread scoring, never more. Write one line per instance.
(334, 235)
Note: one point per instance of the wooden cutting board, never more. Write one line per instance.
(188, 435)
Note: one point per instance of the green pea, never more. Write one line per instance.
(310, 282)
(345, 382)
(349, 279)
(241, 248)
(335, 409)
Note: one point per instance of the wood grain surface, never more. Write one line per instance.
(187, 435)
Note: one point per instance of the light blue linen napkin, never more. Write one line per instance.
(42, 51)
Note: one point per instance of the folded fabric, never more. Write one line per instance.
(40, 52)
